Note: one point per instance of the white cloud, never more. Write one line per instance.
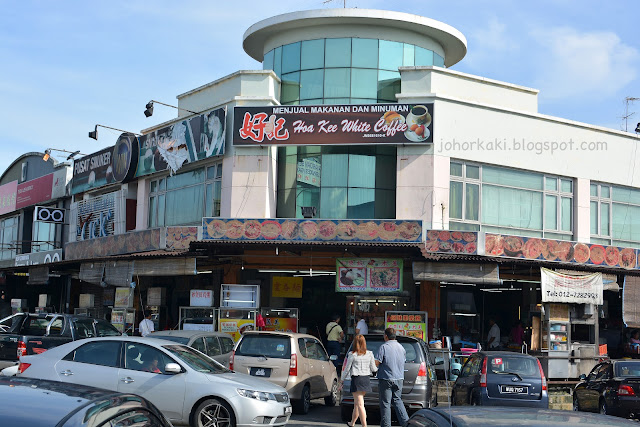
(488, 43)
(571, 63)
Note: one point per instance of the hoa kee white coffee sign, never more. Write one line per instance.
(333, 124)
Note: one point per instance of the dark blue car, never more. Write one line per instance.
(501, 378)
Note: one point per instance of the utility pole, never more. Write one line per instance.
(626, 116)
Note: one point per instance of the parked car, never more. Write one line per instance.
(297, 362)
(27, 333)
(187, 386)
(419, 377)
(466, 416)
(42, 403)
(501, 378)
(612, 388)
(216, 345)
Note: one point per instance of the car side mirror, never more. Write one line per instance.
(439, 361)
(455, 371)
(172, 368)
(333, 357)
(582, 377)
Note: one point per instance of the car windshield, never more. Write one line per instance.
(627, 369)
(514, 365)
(179, 340)
(412, 348)
(196, 360)
(269, 346)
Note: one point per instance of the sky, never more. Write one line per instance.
(69, 65)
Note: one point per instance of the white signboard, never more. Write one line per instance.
(197, 327)
(566, 288)
(309, 171)
(201, 298)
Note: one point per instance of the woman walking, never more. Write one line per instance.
(360, 365)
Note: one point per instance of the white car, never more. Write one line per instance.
(186, 385)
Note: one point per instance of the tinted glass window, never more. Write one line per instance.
(84, 328)
(390, 55)
(140, 417)
(198, 344)
(320, 352)
(412, 348)
(364, 83)
(627, 369)
(227, 344)
(302, 345)
(311, 84)
(57, 325)
(141, 357)
(513, 365)
(104, 353)
(267, 63)
(270, 346)
(337, 83)
(603, 372)
(10, 322)
(424, 57)
(35, 326)
(365, 53)
(338, 53)
(291, 57)
(213, 346)
(312, 54)
(106, 329)
(196, 360)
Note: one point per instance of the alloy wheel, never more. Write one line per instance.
(214, 415)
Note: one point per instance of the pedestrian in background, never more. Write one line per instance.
(493, 338)
(361, 327)
(360, 365)
(334, 337)
(390, 361)
(146, 325)
(5, 306)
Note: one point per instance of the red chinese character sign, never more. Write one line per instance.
(408, 323)
(333, 124)
(369, 275)
(286, 287)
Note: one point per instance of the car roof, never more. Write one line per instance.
(281, 333)
(55, 400)
(398, 337)
(188, 333)
(463, 416)
(505, 354)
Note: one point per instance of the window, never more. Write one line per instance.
(227, 344)
(43, 236)
(502, 200)
(103, 353)
(615, 214)
(141, 357)
(199, 189)
(213, 346)
(600, 209)
(8, 237)
(199, 345)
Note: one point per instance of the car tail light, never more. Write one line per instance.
(22, 349)
(422, 374)
(544, 379)
(293, 366)
(23, 367)
(483, 373)
(233, 353)
(625, 390)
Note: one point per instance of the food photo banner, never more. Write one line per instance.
(559, 250)
(369, 275)
(307, 230)
(333, 124)
(457, 242)
(183, 142)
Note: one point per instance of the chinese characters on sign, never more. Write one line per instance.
(8, 194)
(286, 287)
(408, 323)
(201, 298)
(333, 124)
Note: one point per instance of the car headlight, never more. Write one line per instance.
(258, 395)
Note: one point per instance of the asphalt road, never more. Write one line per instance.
(321, 415)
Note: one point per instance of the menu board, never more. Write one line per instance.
(408, 323)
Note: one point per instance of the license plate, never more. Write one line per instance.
(260, 372)
(287, 410)
(514, 389)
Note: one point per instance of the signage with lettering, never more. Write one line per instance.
(125, 157)
(182, 142)
(333, 124)
(201, 298)
(309, 171)
(96, 217)
(286, 287)
(34, 191)
(407, 323)
(35, 258)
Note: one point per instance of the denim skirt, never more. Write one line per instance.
(360, 383)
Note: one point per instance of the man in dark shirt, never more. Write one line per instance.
(390, 361)
(5, 306)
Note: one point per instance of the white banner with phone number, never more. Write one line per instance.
(567, 288)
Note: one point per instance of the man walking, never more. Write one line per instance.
(390, 361)
(493, 338)
(334, 336)
(146, 325)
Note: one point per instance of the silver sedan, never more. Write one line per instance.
(187, 386)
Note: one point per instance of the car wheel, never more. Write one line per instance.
(346, 412)
(576, 404)
(302, 406)
(332, 399)
(603, 407)
(214, 413)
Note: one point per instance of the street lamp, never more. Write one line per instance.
(72, 154)
(148, 112)
(94, 133)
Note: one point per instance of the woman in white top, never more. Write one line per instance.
(360, 365)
